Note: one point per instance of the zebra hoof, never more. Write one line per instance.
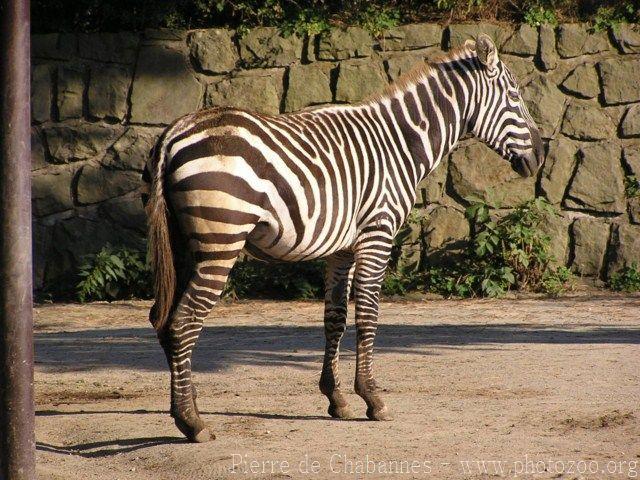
(203, 436)
(197, 433)
(340, 412)
(379, 414)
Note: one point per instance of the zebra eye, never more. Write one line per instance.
(514, 95)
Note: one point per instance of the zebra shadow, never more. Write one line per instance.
(301, 347)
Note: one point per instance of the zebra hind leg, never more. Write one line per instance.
(337, 283)
(179, 338)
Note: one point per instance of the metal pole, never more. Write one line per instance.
(17, 439)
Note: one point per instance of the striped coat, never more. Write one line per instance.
(336, 182)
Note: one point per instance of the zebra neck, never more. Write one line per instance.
(431, 114)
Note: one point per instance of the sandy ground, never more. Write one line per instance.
(531, 388)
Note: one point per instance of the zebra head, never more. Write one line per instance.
(502, 120)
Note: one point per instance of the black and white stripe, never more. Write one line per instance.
(336, 182)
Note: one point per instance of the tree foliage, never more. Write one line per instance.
(313, 16)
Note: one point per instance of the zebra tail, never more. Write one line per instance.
(160, 249)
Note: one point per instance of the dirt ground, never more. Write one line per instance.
(529, 388)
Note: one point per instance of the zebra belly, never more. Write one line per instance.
(288, 247)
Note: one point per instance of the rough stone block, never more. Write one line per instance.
(432, 187)
(41, 236)
(38, 154)
(400, 63)
(630, 126)
(519, 66)
(409, 37)
(308, 85)
(109, 47)
(557, 228)
(524, 41)
(631, 157)
(51, 190)
(478, 172)
(340, 44)
(590, 238)
(97, 183)
(575, 39)
(73, 142)
(164, 87)
(260, 90)
(70, 90)
(459, 33)
(41, 92)
(214, 50)
(358, 80)
(108, 90)
(131, 151)
(634, 209)
(558, 168)
(587, 122)
(625, 248)
(169, 34)
(74, 238)
(598, 184)
(547, 54)
(583, 81)
(445, 227)
(126, 211)
(545, 103)
(265, 47)
(627, 37)
(617, 85)
(54, 46)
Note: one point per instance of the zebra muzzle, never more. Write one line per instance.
(526, 165)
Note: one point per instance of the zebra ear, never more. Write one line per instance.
(487, 51)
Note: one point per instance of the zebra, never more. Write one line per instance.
(333, 182)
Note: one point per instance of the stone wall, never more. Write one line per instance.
(100, 100)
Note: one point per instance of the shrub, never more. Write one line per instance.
(507, 253)
(377, 20)
(627, 279)
(118, 273)
(631, 186)
(307, 22)
(539, 15)
(114, 273)
(254, 279)
(510, 253)
(613, 16)
(313, 16)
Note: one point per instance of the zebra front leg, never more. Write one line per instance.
(337, 283)
(371, 263)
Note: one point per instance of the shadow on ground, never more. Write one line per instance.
(108, 448)
(300, 347)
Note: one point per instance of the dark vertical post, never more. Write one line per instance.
(17, 441)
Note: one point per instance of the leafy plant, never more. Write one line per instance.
(631, 186)
(253, 279)
(538, 15)
(377, 19)
(627, 279)
(612, 17)
(504, 254)
(554, 282)
(114, 273)
(307, 22)
(452, 4)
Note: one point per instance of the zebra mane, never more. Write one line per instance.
(423, 70)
